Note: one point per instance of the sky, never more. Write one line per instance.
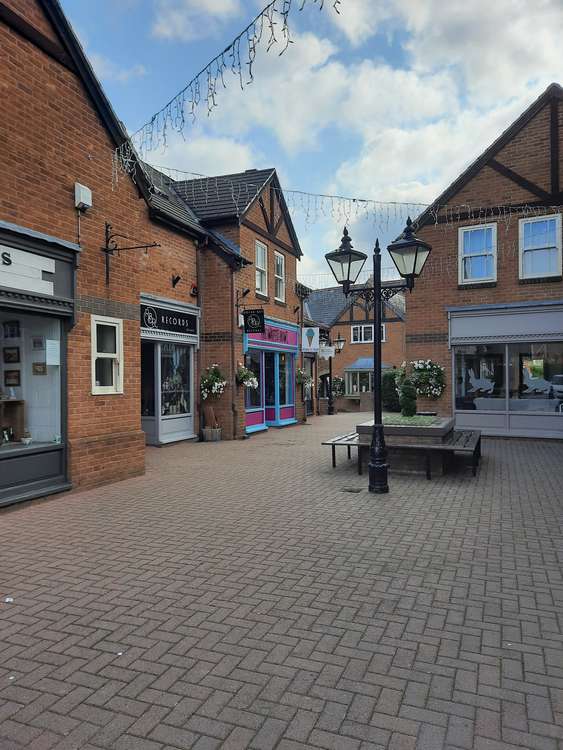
(389, 100)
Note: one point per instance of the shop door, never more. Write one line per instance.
(166, 391)
(308, 390)
(176, 414)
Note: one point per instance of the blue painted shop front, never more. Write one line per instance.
(271, 356)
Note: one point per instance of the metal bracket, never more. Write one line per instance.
(111, 246)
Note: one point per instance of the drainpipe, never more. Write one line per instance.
(234, 330)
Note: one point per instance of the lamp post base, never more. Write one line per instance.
(377, 474)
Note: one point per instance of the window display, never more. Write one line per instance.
(479, 377)
(30, 382)
(253, 396)
(536, 377)
(175, 379)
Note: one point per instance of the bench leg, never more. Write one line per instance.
(475, 461)
(349, 453)
(428, 465)
(333, 456)
(360, 459)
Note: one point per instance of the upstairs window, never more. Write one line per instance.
(279, 277)
(540, 247)
(261, 263)
(478, 254)
(364, 334)
(107, 355)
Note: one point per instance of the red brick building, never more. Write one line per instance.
(101, 346)
(489, 304)
(353, 322)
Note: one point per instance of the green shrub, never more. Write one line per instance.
(389, 395)
(407, 399)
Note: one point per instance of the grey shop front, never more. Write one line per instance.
(507, 364)
(37, 283)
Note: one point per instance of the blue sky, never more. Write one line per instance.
(389, 100)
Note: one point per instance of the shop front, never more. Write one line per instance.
(507, 363)
(37, 281)
(169, 341)
(271, 357)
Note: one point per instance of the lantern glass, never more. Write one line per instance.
(345, 262)
(409, 254)
(339, 343)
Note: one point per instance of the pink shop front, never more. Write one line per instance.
(271, 356)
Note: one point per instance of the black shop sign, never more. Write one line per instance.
(254, 321)
(159, 319)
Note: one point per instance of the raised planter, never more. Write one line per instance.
(410, 434)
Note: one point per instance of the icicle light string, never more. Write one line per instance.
(315, 207)
(237, 58)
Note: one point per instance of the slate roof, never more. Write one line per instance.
(326, 305)
(224, 196)
(164, 200)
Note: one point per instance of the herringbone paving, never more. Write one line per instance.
(237, 596)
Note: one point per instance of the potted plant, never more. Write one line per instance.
(212, 385)
(246, 377)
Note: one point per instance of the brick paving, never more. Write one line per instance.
(238, 596)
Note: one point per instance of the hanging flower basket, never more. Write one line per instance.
(246, 377)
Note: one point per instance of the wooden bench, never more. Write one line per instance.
(465, 442)
(350, 440)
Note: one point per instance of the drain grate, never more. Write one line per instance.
(353, 490)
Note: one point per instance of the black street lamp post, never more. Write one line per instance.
(338, 345)
(409, 254)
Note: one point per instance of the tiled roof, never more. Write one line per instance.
(325, 305)
(223, 196)
(165, 200)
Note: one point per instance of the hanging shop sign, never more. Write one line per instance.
(174, 321)
(326, 352)
(27, 271)
(310, 340)
(254, 321)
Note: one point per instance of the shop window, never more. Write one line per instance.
(30, 382)
(107, 355)
(540, 247)
(279, 276)
(270, 378)
(261, 264)
(477, 254)
(175, 397)
(359, 382)
(480, 377)
(253, 396)
(285, 379)
(536, 377)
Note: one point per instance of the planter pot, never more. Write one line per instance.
(211, 434)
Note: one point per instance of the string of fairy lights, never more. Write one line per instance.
(270, 27)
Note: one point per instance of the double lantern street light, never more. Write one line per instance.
(409, 254)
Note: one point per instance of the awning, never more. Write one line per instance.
(365, 363)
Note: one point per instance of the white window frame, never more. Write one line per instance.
(263, 270)
(461, 256)
(558, 240)
(281, 278)
(117, 387)
(362, 326)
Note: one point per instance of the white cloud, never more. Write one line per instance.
(205, 154)
(193, 19)
(110, 71)
(492, 47)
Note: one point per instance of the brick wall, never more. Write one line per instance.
(427, 323)
(53, 137)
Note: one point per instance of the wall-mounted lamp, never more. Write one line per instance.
(296, 309)
(193, 290)
(245, 292)
(175, 281)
